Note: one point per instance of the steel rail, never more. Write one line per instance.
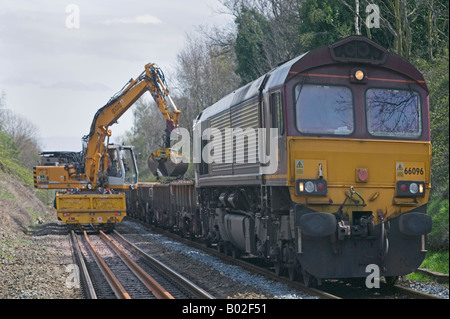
(189, 285)
(115, 284)
(416, 293)
(84, 273)
(246, 265)
(157, 290)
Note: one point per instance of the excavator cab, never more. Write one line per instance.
(121, 168)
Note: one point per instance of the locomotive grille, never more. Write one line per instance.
(358, 51)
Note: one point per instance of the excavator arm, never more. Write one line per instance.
(94, 142)
(151, 80)
(90, 169)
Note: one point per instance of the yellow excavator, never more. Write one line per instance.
(95, 180)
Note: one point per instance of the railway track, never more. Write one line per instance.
(111, 267)
(357, 290)
(332, 289)
(245, 264)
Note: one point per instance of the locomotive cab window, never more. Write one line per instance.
(276, 104)
(393, 113)
(322, 109)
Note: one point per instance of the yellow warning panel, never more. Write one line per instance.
(411, 171)
(299, 167)
(400, 167)
(305, 168)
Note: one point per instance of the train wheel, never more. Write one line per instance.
(293, 273)
(235, 253)
(227, 248)
(308, 279)
(292, 263)
(279, 268)
(391, 280)
(357, 282)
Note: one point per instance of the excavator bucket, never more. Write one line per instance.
(166, 167)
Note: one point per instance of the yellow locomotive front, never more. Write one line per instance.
(358, 161)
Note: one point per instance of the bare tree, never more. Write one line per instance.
(399, 17)
(24, 134)
(205, 74)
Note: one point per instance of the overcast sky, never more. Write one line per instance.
(57, 70)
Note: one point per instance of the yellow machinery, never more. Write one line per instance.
(81, 209)
(96, 177)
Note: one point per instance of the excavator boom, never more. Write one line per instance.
(151, 80)
(88, 169)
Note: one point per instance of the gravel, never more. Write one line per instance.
(426, 287)
(220, 279)
(33, 257)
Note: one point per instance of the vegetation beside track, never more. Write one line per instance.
(436, 261)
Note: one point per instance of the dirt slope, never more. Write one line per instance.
(34, 246)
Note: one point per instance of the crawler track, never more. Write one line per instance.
(127, 274)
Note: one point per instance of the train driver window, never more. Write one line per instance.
(324, 109)
(276, 104)
(393, 112)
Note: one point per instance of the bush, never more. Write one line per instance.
(438, 209)
(9, 160)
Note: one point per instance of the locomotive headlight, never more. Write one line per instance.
(359, 75)
(309, 187)
(413, 188)
(421, 188)
(301, 187)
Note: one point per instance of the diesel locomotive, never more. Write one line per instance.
(321, 166)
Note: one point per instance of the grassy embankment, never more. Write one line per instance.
(437, 258)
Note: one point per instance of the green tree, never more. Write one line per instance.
(24, 134)
(324, 22)
(9, 159)
(436, 76)
(251, 44)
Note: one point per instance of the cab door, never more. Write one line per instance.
(274, 119)
(115, 170)
(122, 168)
